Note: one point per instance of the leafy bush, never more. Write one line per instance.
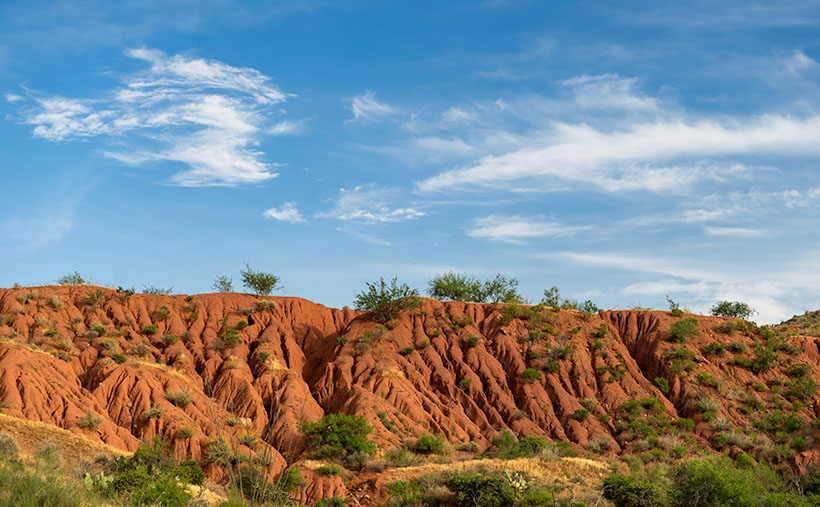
(151, 413)
(429, 444)
(231, 338)
(150, 329)
(330, 470)
(530, 375)
(223, 283)
(462, 287)
(405, 494)
(683, 330)
(150, 477)
(338, 435)
(262, 284)
(552, 297)
(714, 349)
(581, 414)
(662, 384)
(71, 279)
(479, 490)
(385, 300)
(185, 433)
(735, 309)
(179, 398)
(119, 358)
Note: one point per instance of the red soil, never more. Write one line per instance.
(292, 367)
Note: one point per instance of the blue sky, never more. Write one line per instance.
(621, 151)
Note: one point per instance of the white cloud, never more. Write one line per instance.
(12, 98)
(737, 232)
(515, 228)
(366, 107)
(799, 62)
(368, 204)
(609, 91)
(636, 157)
(206, 114)
(287, 213)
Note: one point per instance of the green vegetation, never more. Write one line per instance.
(149, 477)
(662, 384)
(223, 283)
(430, 444)
(735, 309)
(712, 481)
(385, 300)
(231, 338)
(150, 329)
(262, 284)
(683, 330)
(337, 436)
(71, 279)
(179, 398)
(462, 287)
(89, 421)
(674, 308)
(156, 291)
(530, 375)
(552, 297)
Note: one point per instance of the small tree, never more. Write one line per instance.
(223, 283)
(339, 435)
(734, 309)
(501, 290)
(455, 287)
(463, 287)
(71, 279)
(262, 284)
(387, 300)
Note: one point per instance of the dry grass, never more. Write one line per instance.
(73, 448)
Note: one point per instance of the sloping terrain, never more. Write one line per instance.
(119, 368)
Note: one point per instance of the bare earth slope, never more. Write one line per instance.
(454, 369)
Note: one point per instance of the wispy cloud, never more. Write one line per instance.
(737, 232)
(369, 204)
(516, 228)
(206, 114)
(609, 91)
(286, 213)
(366, 107)
(639, 157)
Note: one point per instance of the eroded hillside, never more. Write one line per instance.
(121, 368)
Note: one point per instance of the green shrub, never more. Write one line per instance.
(468, 447)
(119, 358)
(336, 436)
(151, 477)
(464, 384)
(662, 384)
(9, 449)
(552, 366)
(150, 329)
(265, 305)
(385, 300)
(330, 470)
(185, 433)
(223, 283)
(472, 340)
(581, 414)
(152, 413)
(71, 279)
(89, 421)
(735, 309)
(714, 349)
(26, 487)
(482, 490)
(683, 330)
(231, 338)
(406, 351)
(405, 494)
(262, 284)
(799, 369)
(462, 287)
(179, 398)
(429, 444)
(530, 375)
